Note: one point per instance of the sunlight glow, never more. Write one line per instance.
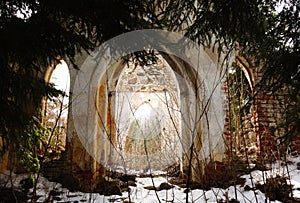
(144, 111)
(61, 77)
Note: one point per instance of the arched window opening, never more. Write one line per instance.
(56, 109)
(241, 110)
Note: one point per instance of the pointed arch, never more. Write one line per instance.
(56, 109)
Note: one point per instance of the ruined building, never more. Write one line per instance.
(125, 117)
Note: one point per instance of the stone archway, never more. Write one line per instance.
(198, 77)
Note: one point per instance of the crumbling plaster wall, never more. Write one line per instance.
(196, 109)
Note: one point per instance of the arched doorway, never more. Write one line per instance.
(147, 115)
(56, 108)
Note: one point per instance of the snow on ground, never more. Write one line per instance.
(176, 195)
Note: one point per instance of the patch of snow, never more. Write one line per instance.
(120, 169)
(176, 194)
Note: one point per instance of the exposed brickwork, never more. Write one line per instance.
(269, 115)
(226, 133)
